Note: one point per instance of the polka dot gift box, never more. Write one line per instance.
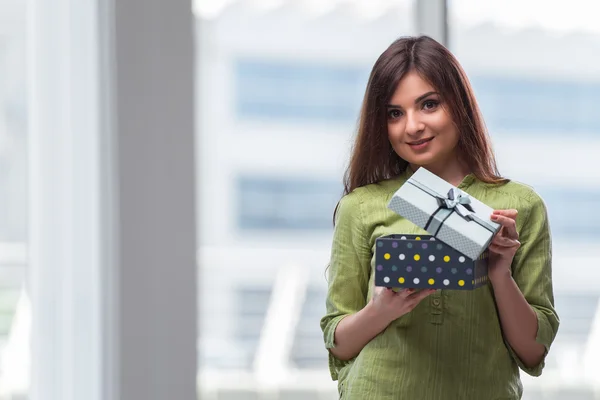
(422, 261)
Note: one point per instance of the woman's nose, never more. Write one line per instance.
(413, 124)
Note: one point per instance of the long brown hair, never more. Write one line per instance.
(373, 158)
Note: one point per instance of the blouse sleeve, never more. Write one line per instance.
(349, 271)
(532, 272)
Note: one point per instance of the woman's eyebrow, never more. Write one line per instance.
(417, 100)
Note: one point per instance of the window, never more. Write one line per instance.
(302, 91)
(14, 119)
(251, 307)
(572, 212)
(234, 346)
(286, 204)
(577, 312)
(312, 92)
(549, 106)
(308, 351)
(530, 66)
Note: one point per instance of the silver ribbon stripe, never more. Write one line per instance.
(454, 200)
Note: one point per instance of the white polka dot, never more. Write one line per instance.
(416, 281)
(461, 259)
(386, 279)
(446, 282)
(403, 238)
(402, 256)
(432, 258)
(432, 239)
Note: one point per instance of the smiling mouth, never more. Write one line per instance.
(418, 142)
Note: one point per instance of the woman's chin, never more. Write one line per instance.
(422, 160)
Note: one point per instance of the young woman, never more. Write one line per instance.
(419, 111)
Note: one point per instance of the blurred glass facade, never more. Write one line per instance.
(532, 77)
(279, 91)
(13, 196)
(282, 88)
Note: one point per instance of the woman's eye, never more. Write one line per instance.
(394, 114)
(430, 104)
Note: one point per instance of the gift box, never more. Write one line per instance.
(446, 212)
(422, 262)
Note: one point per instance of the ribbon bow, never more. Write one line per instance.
(456, 200)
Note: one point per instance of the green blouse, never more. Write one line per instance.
(451, 345)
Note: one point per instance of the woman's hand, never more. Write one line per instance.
(505, 244)
(391, 305)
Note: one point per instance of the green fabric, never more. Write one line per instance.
(451, 345)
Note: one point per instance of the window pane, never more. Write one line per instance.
(288, 90)
(572, 212)
(14, 350)
(275, 204)
(280, 87)
(530, 64)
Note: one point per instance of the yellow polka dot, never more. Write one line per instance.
(461, 283)
(474, 282)
(431, 281)
(417, 257)
(418, 238)
(386, 256)
(446, 258)
(401, 280)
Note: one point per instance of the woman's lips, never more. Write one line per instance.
(420, 144)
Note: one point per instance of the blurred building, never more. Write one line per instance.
(279, 95)
(13, 186)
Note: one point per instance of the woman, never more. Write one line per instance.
(419, 111)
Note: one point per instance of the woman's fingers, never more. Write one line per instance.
(508, 224)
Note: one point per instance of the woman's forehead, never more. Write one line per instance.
(412, 87)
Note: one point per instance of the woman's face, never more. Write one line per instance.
(420, 129)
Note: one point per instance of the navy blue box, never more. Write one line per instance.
(424, 262)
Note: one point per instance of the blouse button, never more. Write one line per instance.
(436, 302)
